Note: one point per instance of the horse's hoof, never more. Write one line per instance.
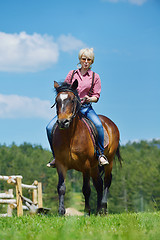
(87, 212)
(99, 212)
(61, 211)
(103, 209)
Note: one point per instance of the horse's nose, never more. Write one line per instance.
(63, 123)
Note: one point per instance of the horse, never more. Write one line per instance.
(74, 148)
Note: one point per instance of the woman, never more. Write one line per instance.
(89, 89)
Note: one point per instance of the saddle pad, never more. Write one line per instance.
(93, 135)
(106, 138)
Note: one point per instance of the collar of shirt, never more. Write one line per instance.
(89, 72)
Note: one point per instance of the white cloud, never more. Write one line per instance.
(14, 106)
(137, 2)
(69, 43)
(23, 52)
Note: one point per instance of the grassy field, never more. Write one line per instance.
(126, 226)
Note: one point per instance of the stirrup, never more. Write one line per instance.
(51, 164)
(105, 162)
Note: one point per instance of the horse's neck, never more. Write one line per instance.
(74, 124)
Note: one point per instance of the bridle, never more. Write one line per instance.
(77, 104)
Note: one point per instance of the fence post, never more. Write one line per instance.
(40, 202)
(35, 193)
(34, 196)
(18, 197)
(10, 208)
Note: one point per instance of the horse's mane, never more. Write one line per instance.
(66, 87)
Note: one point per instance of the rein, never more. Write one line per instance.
(76, 108)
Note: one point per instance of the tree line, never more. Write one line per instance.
(135, 185)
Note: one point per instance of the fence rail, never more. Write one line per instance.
(17, 202)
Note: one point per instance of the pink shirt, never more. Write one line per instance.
(85, 82)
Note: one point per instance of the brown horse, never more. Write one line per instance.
(74, 148)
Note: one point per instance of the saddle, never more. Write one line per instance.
(94, 133)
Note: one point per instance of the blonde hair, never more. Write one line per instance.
(87, 52)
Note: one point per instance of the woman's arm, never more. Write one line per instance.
(88, 99)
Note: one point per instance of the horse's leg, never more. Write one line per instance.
(86, 192)
(61, 188)
(107, 184)
(98, 184)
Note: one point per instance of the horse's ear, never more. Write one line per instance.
(75, 85)
(56, 85)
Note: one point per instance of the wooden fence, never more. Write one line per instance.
(17, 202)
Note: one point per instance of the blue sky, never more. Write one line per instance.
(39, 43)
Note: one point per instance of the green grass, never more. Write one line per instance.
(126, 226)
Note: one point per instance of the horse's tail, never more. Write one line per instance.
(101, 168)
(119, 155)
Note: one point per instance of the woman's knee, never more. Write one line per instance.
(50, 125)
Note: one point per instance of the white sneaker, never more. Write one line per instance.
(103, 160)
(51, 164)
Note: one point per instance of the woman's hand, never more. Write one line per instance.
(87, 99)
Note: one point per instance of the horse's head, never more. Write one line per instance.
(67, 103)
